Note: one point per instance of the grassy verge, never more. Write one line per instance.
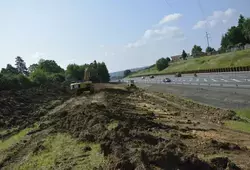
(61, 151)
(232, 59)
(239, 125)
(5, 144)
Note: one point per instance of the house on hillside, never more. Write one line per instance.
(176, 58)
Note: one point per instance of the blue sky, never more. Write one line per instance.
(122, 33)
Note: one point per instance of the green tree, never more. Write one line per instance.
(168, 59)
(49, 66)
(210, 50)
(126, 73)
(32, 67)
(9, 70)
(196, 51)
(39, 77)
(103, 73)
(184, 55)
(21, 66)
(246, 29)
(75, 72)
(161, 64)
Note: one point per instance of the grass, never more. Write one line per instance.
(5, 144)
(112, 125)
(232, 59)
(61, 151)
(237, 125)
(244, 113)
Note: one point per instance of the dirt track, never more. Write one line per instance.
(137, 130)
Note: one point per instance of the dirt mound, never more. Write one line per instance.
(129, 140)
(23, 107)
(133, 129)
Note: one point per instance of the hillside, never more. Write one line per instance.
(232, 59)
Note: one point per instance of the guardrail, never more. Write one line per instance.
(197, 84)
(215, 70)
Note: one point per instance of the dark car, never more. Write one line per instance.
(152, 77)
(166, 80)
(178, 75)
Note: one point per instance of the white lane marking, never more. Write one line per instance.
(190, 79)
(184, 80)
(236, 80)
(214, 80)
(205, 80)
(224, 80)
(197, 79)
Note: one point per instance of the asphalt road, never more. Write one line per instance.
(229, 98)
(227, 79)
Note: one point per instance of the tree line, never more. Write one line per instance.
(236, 36)
(46, 72)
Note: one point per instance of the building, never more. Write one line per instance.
(176, 58)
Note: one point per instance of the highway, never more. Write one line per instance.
(227, 79)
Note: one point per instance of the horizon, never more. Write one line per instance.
(124, 34)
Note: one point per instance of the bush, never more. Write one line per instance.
(161, 64)
(39, 77)
(58, 77)
(24, 82)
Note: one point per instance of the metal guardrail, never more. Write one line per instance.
(196, 84)
(216, 70)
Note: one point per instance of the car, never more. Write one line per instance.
(142, 77)
(152, 77)
(166, 80)
(178, 75)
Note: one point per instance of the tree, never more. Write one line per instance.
(210, 50)
(9, 70)
(246, 29)
(161, 64)
(168, 59)
(75, 72)
(49, 66)
(21, 66)
(103, 73)
(39, 77)
(196, 51)
(184, 55)
(126, 73)
(225, 43)
(32, 67)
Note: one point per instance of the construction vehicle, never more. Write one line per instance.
(86, 84)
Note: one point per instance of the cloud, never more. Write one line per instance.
(38, 55)
(150, 35)
(169, 18)
(218, 17)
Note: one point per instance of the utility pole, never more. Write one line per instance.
(207, 37)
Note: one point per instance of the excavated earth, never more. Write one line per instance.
(135, 129)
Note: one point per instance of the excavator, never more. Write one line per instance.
(87, 84)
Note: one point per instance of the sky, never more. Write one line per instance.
(122, 33)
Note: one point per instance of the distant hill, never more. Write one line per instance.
(120, 74)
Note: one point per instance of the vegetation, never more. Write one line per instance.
(196, 51)
(232, 59)
(236, 36)
(127, 72)
(184, 55)
(161, 64)
(46, 72)
(62, 152)
(237, 125)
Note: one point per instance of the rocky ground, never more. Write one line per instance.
(117, 128)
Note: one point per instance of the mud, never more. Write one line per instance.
(137, 129)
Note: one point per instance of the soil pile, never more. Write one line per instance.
(24, 107)
(135, 129)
